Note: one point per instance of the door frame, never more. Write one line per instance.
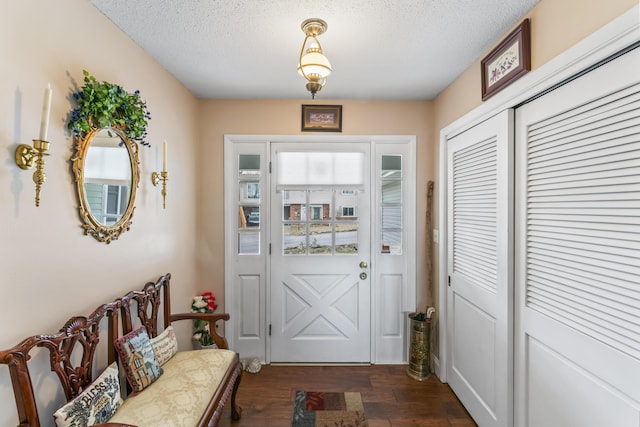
(379, 143)
(605, 42)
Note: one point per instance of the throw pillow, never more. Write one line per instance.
(138, 360)
(96, 404)
(165, 345)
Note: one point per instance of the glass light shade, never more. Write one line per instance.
(315, 63)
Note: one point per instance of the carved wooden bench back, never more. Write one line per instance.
(72, 350)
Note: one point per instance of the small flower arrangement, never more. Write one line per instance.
(103, 105)
(205, 303)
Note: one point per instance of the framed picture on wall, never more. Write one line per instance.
(321, 118)
(507, 62)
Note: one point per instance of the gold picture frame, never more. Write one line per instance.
(508, 61)
(321, 118)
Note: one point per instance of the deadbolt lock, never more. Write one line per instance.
(363, 275)
(363, 264)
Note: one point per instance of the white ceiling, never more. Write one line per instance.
(379, 49)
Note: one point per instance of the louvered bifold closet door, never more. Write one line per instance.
(479, 297)
(579, 242)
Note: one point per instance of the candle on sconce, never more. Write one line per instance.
(164, 157)
(46, 111)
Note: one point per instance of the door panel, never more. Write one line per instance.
(480, 307)
(578, 256)
(320, 303)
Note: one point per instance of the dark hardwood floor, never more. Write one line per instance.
(390, 397)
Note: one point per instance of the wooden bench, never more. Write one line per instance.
(73, 352)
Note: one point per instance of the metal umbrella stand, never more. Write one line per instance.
(420, 345)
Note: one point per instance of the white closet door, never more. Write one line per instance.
(578, 252)
(480, 292)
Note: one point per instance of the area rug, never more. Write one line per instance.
(328, 409)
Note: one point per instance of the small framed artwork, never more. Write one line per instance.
(321, 118)
(507, 62)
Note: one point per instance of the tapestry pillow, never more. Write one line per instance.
(165, 345)
(96, 404)
(137, 359)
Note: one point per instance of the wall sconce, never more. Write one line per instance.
(312, 64)
(163, 176)
(27, 155)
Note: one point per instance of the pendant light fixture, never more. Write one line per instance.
(313, 65)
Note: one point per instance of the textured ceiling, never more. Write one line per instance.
(379, 49)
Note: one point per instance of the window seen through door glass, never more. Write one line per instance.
(249, 204)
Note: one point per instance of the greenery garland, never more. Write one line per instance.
(103, 104)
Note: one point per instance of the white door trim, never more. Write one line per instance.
(613, 37)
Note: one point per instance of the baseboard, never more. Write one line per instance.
(436, 368)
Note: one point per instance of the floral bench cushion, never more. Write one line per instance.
(181, 394)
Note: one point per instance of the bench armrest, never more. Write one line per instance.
(212, 318)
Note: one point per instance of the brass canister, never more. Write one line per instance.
(419, 348)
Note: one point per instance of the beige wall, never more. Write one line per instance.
(50, 270)
(282, 117)
(556, 25)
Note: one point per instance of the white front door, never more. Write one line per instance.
(480, 262)
(320, 254)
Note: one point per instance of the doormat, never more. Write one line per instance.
(328, 409)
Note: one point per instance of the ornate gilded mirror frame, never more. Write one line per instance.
(91, 225)
(108, 177)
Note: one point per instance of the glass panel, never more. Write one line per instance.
(249, 164)
(391, 192)
(392, 242)
(391, 166)
(249, 243)
(294, 205)
(347, 204)
(250, 192)
(320, 204)
(320, 239)
(294, 239)
(308, 226)
(391, 217)
(391, 209)
(347, 238)
(249, 217)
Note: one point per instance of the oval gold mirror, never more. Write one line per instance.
(106, 170)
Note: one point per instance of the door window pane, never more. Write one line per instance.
(249, 204)
(249, 165)
(249, 216)
(320, 239)
(249, 243)
(347, 238)
(391, 207)
(294, 239)
(391, 166)
(309, 226)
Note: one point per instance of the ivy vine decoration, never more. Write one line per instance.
(103, 105)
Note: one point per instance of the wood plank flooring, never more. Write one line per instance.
(390, 397)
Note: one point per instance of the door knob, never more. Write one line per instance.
(363, 275)
(363, 264)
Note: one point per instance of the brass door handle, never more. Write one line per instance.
(363, 264)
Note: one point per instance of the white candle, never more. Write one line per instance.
(46, 110)
(164, 157)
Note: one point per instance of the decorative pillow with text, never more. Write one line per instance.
(165, 345)
(96, 404)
